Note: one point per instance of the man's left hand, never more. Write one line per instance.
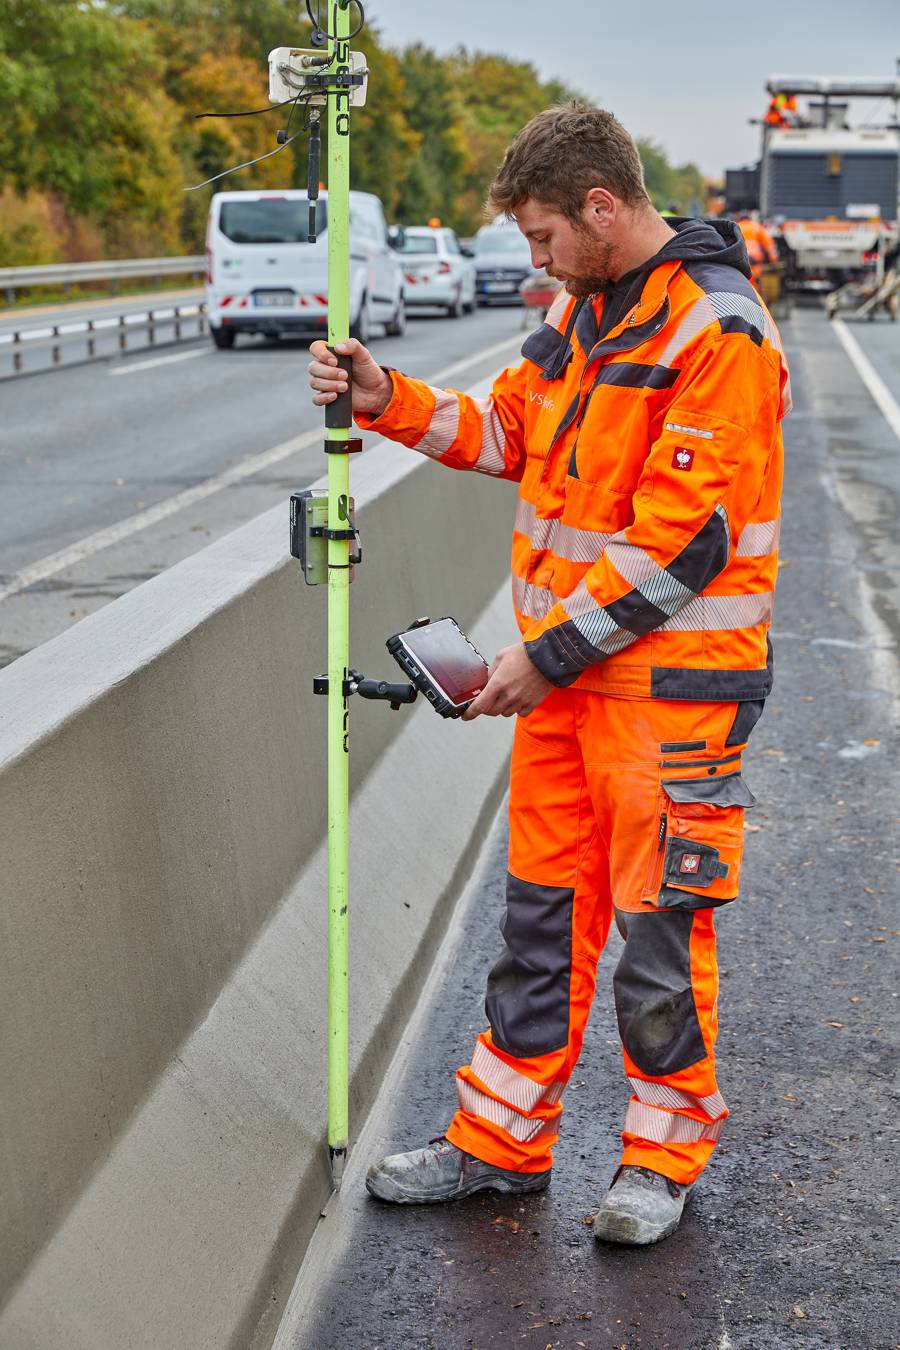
(515, 685)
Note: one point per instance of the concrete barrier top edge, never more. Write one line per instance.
(48, 686)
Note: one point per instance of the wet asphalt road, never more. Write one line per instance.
(792, 1236)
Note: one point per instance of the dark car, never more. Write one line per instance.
(502, 262)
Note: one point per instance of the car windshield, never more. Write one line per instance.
(502, 241)
(419, 243)
(270, 220)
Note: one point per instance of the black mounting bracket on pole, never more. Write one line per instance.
(384, 690)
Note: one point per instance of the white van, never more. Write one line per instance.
(263, 275)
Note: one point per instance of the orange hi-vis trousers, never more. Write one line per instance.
(619, 808)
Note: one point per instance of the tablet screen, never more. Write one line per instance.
(445, 654)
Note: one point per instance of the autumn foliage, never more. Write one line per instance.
(99, 138)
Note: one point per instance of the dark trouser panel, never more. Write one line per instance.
(595, 834)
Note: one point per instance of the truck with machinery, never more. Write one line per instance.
(828, 191)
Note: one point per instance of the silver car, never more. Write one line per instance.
(435, 271)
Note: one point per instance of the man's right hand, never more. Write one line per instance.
(372, 386)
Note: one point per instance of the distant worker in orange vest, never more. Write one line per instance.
(761, 247)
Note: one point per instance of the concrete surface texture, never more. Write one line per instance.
(792, 1236)
(162, 969)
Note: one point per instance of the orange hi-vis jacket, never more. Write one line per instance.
(649, 463)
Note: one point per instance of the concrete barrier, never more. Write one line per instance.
(162, 964)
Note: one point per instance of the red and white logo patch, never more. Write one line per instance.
(690, 863)
(683, 458)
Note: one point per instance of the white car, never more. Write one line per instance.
(435, 272)
(264, 276)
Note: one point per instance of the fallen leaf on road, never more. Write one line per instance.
(588, 1219)
(871, 740)
(751, 829)
(855, 998)
(798, 1312)
(502, 1222)
(770, 750)
(834, 1024)
(847, 923)
(584, 1317)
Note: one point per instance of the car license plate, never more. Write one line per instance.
(500, 287)
(273, 298)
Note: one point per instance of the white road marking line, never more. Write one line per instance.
(869, 376)
(112, 534)
(158, 361)
(100, 539)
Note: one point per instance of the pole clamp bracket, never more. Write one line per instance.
(348, 446)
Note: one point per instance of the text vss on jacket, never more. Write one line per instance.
(649, 463)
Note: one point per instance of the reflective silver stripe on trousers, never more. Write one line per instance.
(659, 1094)
(758, 540)
(491, 458)
(563, 541)
(519, 1126)
(717, 613)
(661, 1127)
(443, 427)
(514, 1087)
(532, 602)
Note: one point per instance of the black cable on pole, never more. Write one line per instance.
(345, 4)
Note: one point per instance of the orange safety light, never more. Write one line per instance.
(434, 223)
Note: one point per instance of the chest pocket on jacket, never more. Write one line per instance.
(613, 440)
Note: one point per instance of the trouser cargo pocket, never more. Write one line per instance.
(699, 842)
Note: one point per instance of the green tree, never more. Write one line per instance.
(435, 113)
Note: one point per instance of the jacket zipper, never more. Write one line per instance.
(663, 827)
(583, 402)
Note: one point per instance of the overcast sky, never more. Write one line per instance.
(686, 73)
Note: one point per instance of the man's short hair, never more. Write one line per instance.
(561, 154)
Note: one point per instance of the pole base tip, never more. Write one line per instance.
(338, 1158)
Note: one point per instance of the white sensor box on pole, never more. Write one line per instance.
(299, 70)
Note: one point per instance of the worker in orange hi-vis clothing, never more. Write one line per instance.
(642, 427)
(761, 248)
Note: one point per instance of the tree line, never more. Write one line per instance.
(99, 137)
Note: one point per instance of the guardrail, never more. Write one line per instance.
(14, 279)
(110, 334)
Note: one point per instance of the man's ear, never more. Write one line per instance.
(600, 207)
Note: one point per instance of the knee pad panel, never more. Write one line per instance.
(655, 1006)
(527, 1001)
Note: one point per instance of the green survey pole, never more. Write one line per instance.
(338, 610)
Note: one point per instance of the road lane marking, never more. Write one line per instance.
(869, 376)
(253, 464)
(158, 361)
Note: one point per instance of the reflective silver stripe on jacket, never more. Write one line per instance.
(491, 458)
(758, 540)
(514, 1087)
(520, 1127)
(443, 427)
(533, 602)
(662, 1127)
(563, 541)
(660, 1094)
(645, 575)
(717, 613)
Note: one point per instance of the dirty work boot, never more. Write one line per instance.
(441, 1172)
(640, 1207)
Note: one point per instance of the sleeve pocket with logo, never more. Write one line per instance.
(696, 861)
